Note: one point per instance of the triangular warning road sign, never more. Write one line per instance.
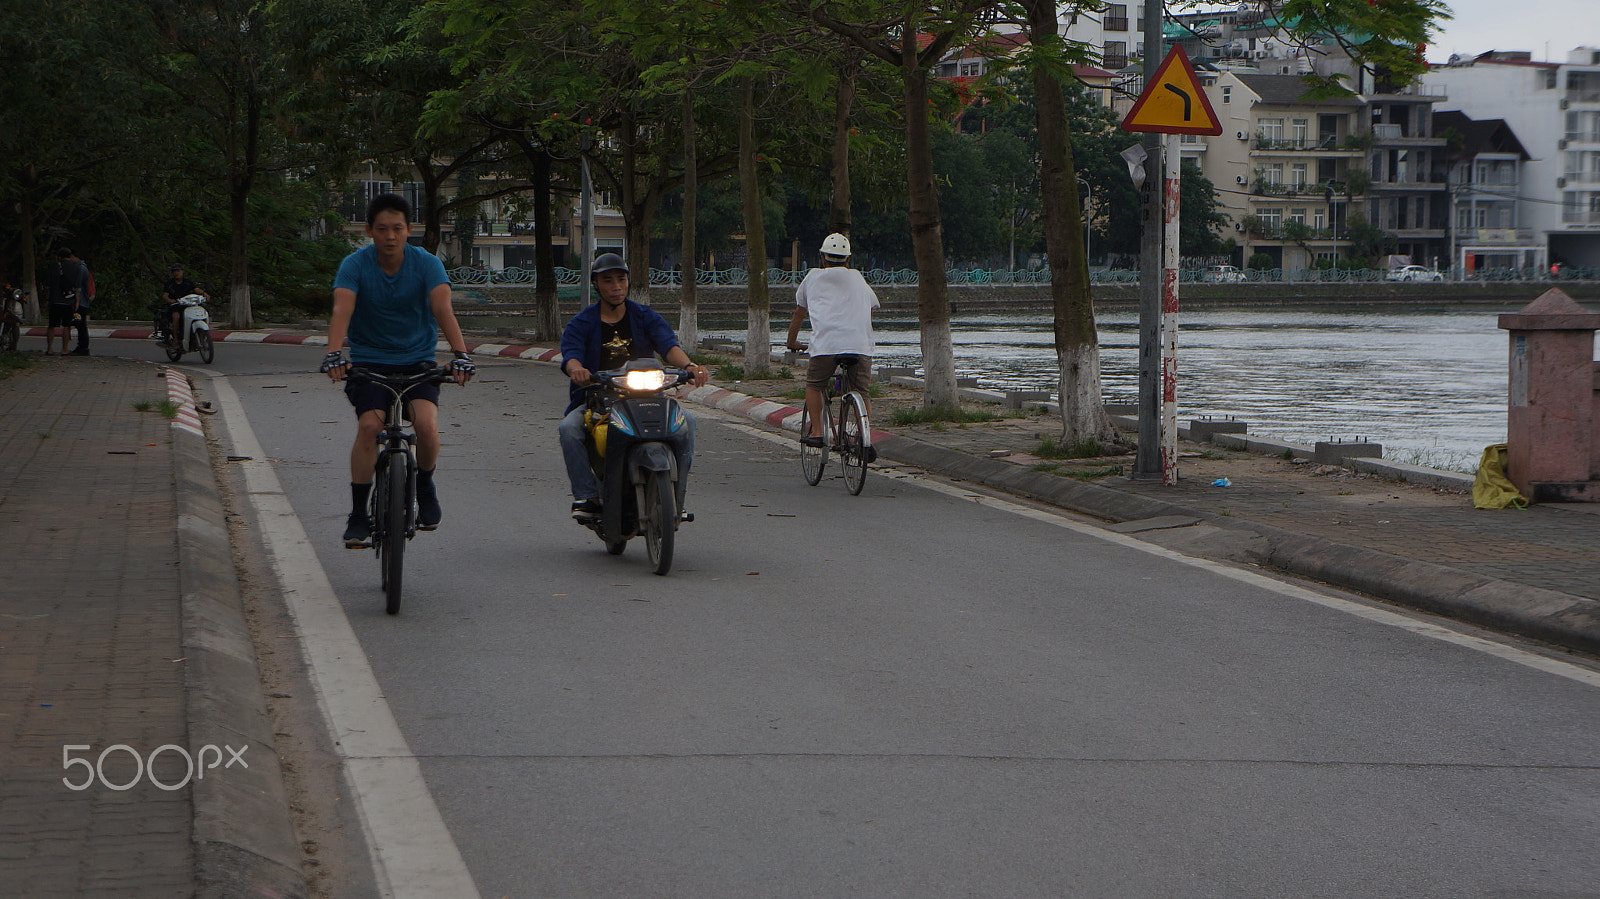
(1173, 102)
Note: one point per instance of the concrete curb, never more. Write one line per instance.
(244, 841)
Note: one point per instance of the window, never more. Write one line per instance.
(1115, 55)
(1271, 130)
(358, 194)
(1227, 95)
(1300, 131)
(1297, 215)
(1271, 218)
(1116, 18)
(1319, 219)
(1297, 175)
(1274, 173)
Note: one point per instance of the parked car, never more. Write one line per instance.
(1224, 274)
(1414, 273)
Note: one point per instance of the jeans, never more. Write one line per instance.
(575, 453)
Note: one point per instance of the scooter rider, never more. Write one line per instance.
(170, 323)
(604, 337)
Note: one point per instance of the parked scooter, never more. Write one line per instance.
(194, 331)
(632, 423)
(11, 319)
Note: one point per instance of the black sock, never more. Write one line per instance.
(358, 497)
(424, 480)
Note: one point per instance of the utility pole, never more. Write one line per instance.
(1147, 461)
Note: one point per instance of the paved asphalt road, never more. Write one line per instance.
(913, 692)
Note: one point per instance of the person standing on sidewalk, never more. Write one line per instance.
(391, 300)
(71, 281)
(840, 304)
(80, 316)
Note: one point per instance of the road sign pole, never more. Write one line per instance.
(1170, 206)
(1147, 460)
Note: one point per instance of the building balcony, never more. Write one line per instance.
(1328, 144)
(1409, 186)
(1115, 23)
(1581, 96)
(1495, 237)
(1114, 61)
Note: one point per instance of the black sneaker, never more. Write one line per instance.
(586, 509)
(80, 351)
(428, 512)
(357, 531)
(814, 442)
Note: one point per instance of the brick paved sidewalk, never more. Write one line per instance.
(92, 648)
(135, 757)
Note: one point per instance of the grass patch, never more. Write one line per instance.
(700, 357)
(143, 406)
(937, 415)
(168, 409)
(1049, 448)
(728, 372)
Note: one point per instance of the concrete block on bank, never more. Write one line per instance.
(1200, 430)
(1128, 409)
(967, 382)
(1266, 446)
(1330, 452)
(890, 372)
(1016, 399)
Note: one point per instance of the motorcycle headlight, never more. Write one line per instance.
(646, 379)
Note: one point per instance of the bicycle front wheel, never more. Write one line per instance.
(659, 520)
(394, 526)
(853, 438)
(813, 459)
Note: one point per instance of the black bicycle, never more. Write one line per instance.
(849, 436)
(392, 507)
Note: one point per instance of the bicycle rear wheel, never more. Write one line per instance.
(394, 526)
(853, 438)
(813, 459)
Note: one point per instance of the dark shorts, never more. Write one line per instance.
(366, 396)
(857, 376)
(60, 316)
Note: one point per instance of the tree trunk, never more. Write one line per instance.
(30, 250)
(839, 207)
(688, 303)
(927, 239)
(430, 213)
(758, 334)
(547, 307)
(239, 313)
(1083, 415)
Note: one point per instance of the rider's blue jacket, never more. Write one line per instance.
(652, 336)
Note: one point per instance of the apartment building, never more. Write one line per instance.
(1485, 161)
(1283, 166)
(1408, 193)
(1554, 110)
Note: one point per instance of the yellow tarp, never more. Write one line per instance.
(1492, 489)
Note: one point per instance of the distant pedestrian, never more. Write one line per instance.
(80, 316)
(71, 281)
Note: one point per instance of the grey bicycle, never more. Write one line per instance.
(847, 435)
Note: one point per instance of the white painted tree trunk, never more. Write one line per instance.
(1083, 415)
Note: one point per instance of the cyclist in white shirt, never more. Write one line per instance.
(839, 304)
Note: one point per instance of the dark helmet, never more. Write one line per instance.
(607, 262)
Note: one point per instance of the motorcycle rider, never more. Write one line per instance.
(169, 325)
(604, 337)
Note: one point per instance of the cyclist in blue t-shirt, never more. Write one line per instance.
(391, 300)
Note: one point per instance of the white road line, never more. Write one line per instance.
(1374, 614)
(413, 854)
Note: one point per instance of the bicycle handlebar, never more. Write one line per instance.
(436, 375)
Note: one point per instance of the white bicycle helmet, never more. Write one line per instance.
(836, 245)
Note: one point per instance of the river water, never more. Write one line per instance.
(1427, 383)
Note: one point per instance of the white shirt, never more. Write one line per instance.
(839, 304)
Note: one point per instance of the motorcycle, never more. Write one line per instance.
(194, 331)
(11, 319)
(631, 421)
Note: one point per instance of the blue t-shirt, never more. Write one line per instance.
(393, 322)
